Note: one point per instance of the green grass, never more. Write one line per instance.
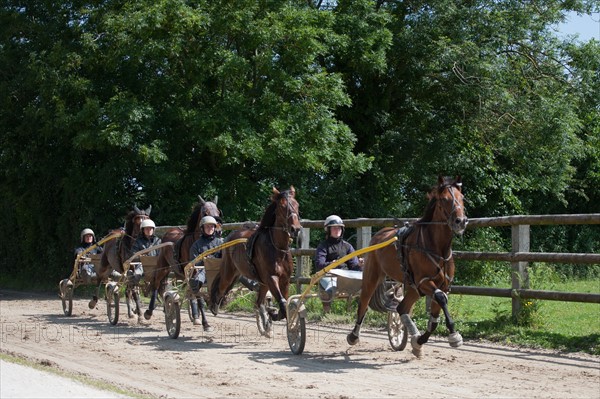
(564, 326)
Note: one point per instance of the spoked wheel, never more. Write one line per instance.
(264, 322)
(112, 307)
(397, 332)
(67, 299)
(296, 329)
(172, 317)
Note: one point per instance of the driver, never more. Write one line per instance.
(329, 250)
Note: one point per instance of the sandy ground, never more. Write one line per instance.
(234, 361)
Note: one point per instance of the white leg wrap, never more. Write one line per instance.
(455, 339)
(410, 325)
(417, 349)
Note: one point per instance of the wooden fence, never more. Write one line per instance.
(519, 256)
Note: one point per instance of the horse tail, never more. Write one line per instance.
(214, 290)
(380, 297)
(218, 299)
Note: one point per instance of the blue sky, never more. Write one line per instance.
(586, 26)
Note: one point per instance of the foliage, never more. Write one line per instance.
(359, 104)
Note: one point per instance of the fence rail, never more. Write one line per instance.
(519, 257)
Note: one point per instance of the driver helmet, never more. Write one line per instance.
(147, 223)
(208, 220)
(86, 232)
(333, 220)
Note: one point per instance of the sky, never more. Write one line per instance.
(586, 26)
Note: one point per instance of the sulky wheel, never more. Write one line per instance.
(172, 317)
(296, 329)
(112, 307)
(397, 333)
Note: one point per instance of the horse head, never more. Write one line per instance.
(210, 208)
(287, 213)
(134, 219)
(449, 201)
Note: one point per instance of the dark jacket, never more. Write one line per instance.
(142, 242)
(83, 246)
(333, 249)
(204, 243)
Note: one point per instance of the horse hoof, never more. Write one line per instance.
(417, 349)
(455, 340)
(147, 315)
(92, 303)
(352, 339)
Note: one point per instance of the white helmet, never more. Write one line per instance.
(333, 220)
(208, 220)
(147, 223)
(86, 232)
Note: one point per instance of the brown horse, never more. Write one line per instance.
(268, 260)
(173, 258)
(118, 251)
(422, 260)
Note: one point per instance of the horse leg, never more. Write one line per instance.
(434, 320)
(454, 339)
(404, 309)
(202, 307)
(273, 284)
(366, 292)
(148, 313)
(220, 287)
(94, 300)
(138, 305)
(262, 312)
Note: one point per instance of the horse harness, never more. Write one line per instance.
(402, 250)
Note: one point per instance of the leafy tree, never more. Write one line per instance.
(358, 104)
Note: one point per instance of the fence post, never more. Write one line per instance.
(363, 237)
(303, 262)
(520, 277)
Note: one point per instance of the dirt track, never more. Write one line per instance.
(235, 362)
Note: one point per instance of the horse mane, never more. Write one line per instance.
(192, 222)
(128, 237)
(268, 218)
(430, 208)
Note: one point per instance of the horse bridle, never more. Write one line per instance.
(455, 205)
(290, 213)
